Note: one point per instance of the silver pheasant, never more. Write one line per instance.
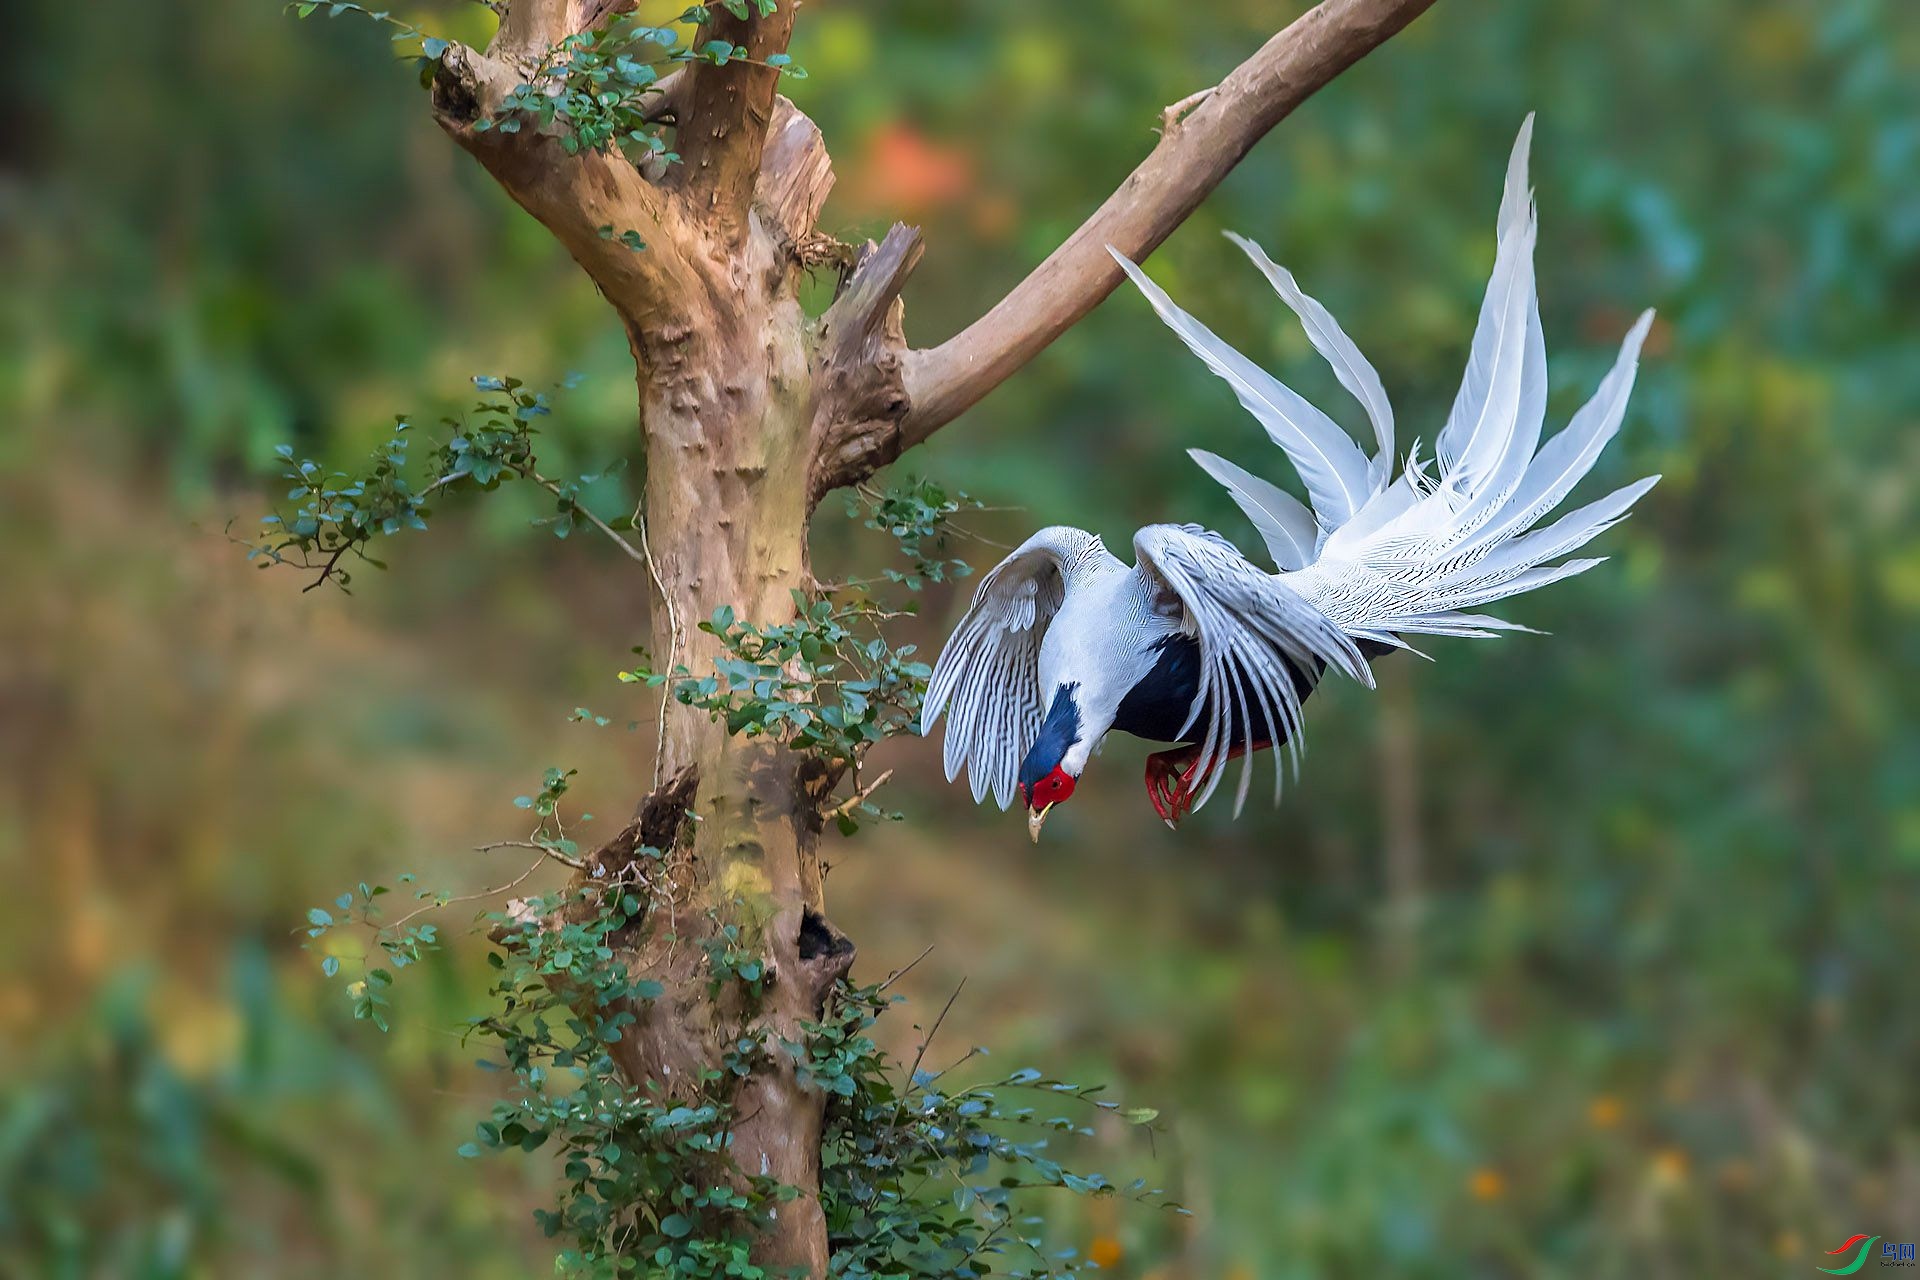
(1196, 645)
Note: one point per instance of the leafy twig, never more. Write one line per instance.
(548, 850)
(858, 798)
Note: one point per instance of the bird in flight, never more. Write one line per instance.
(1195, 645)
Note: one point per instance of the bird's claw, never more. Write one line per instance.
(1170, 784)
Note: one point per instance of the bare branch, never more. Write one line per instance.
(905, 969)
(436, 903)
(868, 298)
(1177, 112)
(546, 849)
(1204, 136)
(861, 378)
(670, 100)
(728, 110)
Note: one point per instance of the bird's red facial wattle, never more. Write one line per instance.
(1045, 793)
(1052, 789)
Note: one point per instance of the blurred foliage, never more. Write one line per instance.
(1583, 956)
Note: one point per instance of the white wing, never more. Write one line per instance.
(1250, 626)
(988, 676)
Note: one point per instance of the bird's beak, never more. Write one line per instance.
(1037, 818)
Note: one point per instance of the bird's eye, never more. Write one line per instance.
(1052, 789)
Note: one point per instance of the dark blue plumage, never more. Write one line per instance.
(1059, 731)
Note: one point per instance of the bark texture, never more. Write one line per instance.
(751, 412)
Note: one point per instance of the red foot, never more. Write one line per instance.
(1168, 782)
(1174, 776)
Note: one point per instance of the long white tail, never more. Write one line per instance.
(1384, 557)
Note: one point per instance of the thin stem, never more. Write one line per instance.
(548, 850)
(673, 641)
(326, 570)
(495, 892)
(859, 797)
(633, 552)
(932, 1031)
(905, 969)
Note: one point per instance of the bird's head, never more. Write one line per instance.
(1048, 775)
(1042, 793)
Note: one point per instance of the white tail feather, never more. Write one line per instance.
(1410, 556)
(1284, 523)
(1349, 366)
(1331, 464)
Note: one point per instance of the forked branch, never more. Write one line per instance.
(590, 201)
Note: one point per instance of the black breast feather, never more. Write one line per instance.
(1156, 707)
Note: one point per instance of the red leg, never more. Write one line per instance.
(1163, 767)
(1174, 776)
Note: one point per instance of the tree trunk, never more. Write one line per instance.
(726, 391)
(751, 413)
(732, 378)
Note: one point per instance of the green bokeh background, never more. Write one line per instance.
(1587, 955)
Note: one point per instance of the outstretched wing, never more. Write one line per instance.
(988, 676)
(1250, 626)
